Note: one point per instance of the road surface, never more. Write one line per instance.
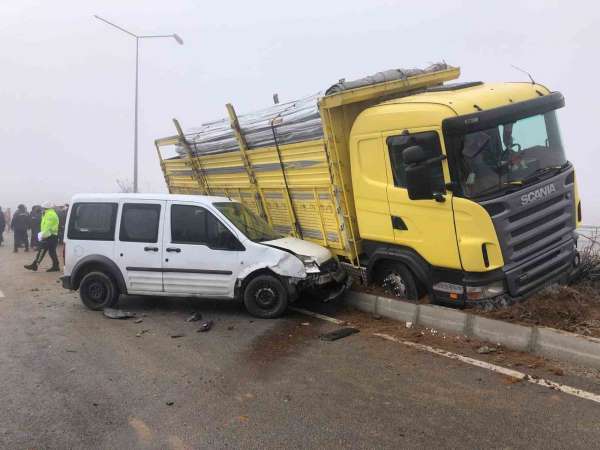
(72, 378)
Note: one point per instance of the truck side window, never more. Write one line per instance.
(196, 225)
(93, 221)
(430, 142)
(139, 222)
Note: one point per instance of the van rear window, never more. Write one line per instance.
(93, 221)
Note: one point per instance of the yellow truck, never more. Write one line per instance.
(459, 190)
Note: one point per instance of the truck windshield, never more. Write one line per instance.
(510, 155)
(254, 228)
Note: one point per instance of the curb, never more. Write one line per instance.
(543, 341)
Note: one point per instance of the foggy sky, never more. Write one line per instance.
(66, 83)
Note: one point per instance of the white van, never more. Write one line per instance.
(189, 246)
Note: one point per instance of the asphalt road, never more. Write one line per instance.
(72, 378)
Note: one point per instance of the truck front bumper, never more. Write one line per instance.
(507, 286)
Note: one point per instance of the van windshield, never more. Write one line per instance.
(254, 227)
(510, 155)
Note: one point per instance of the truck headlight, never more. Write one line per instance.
(480, 292)
(310, 264)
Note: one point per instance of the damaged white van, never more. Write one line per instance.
(189, 246)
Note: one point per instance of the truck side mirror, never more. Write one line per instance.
(419, 174)
(418, 179)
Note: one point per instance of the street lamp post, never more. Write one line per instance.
(137, 70)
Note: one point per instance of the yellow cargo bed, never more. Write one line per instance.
(303, 189)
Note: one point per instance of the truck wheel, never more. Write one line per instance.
(265, 297)
(98, 291)
(398, 280)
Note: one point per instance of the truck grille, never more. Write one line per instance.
(536, 238)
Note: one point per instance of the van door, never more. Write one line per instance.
(139, 248)
(426, 226)
(201, 254)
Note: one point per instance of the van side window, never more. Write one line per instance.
(430, 142)
(196, 225)
(93, 221)
(139, 222)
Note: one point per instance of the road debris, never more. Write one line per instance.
(338, 334)
(305, 324)
(141, 332)
(409, 324)
(176, 336)
(205, 326)
(484, 350)
(194, 317)
(112, 313)
(169, 403)
(138, 320)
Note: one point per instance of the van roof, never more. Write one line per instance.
(203, 199)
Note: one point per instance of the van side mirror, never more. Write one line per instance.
(419, 174)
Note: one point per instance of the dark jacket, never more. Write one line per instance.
(2, 222)
(21, 222)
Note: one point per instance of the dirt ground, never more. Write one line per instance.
(570, 308)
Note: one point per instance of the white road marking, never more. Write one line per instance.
(318, 316)
(498, 369)
(1, 294)
(474, 362)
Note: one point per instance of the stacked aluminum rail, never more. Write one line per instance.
(284, 123)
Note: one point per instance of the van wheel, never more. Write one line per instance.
(98, 291)
(397, 280)
(265, 297)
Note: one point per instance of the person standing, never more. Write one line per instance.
(49, 239)
(20, 224)
(36, 222)
(2, 226)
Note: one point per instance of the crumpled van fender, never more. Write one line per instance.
(287, 266)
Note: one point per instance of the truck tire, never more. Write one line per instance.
(97, 291)
(265, 297)
(398, 280)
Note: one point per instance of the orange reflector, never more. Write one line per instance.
(453, 296)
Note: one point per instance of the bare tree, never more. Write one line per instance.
(125, 186)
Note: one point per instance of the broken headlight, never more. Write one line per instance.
(310, 264)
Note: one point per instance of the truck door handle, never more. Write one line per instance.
(173, 249)
(150, 249)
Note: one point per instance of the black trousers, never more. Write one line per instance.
(21, 238)
(47, 245)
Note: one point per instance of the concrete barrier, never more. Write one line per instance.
(546, 342)
(572, 347)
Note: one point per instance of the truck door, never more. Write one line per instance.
(139, 249)
(198, 256)
(426, 226)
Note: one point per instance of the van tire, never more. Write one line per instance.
(97, 291)
(397, 279)
(265, 297)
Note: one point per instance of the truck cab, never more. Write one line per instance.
(464, 191)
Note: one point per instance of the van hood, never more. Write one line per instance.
(300, 247)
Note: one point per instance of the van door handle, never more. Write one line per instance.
(150, 249)
(173, 249)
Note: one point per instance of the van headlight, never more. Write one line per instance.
(310, 264)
